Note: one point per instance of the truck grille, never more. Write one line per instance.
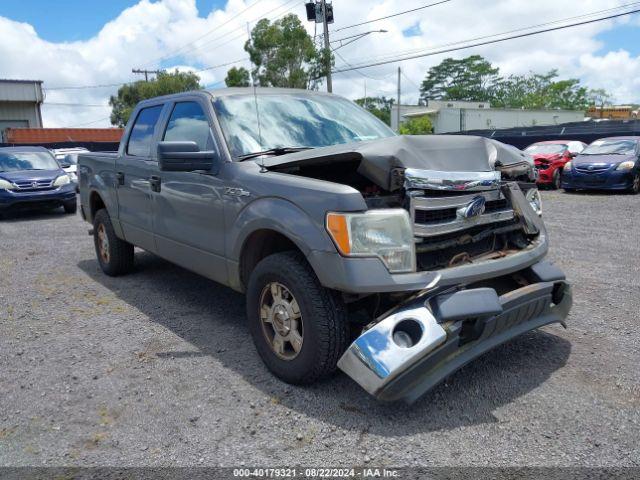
(34, 185)
(434, 216)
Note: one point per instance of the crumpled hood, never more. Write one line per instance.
(379, 158)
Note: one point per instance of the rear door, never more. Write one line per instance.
(134, 170)
(188, 209)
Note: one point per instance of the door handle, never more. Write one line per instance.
(120, 178)
(155, 183)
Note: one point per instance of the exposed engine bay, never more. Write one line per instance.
(458, 190)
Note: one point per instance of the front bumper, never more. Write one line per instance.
(43, 198)
(456, 327)
(545, 176)
(610, 179)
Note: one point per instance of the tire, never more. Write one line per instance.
(70, 207)
(322, 323)
(115, 256)
(635, 186)
(555, 181)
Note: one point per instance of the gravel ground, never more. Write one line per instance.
(157, 368)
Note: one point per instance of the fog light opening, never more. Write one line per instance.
(558, 293)
(407, 333)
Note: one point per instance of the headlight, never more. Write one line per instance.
(73, 176)
(6, 185)
(386, 234)
(62, 180)
(534, 199)
(567, 166)
(626, 165)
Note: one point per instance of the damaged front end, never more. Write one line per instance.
(475, 216)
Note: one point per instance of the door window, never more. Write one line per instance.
(188, 123)
(141, 137)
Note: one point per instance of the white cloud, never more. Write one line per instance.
(148, 31)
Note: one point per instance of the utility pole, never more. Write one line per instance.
(327, 46)
(145, 72)
(399, 94)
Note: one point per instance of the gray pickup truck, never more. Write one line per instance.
(396, 259)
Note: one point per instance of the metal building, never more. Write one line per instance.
(20, 102)
(453, 117)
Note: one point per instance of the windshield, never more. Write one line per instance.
(546, 149)
(294, 120)
(611, 147)
(17, 161)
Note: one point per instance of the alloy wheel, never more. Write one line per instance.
(281, 321)
(103, 243)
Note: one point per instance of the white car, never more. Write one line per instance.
(68, 160)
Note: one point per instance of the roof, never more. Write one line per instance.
(556, 142)
(627, 137)
(53, 135)
(223, 92)
(23, 149)
(11, 80)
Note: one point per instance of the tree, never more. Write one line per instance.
(379, 106)
(238, 77)
(469, 79)
(599, 97)
(538, 91)
(283, 55)
(164, 84)
(416, 126)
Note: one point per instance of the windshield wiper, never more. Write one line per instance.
(273, 151)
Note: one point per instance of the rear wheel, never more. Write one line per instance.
(298, 326)
(115, 256)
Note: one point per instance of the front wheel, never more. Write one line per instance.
(298, 326)
(555, 181)
(115, 256)
(70, 207)
(635, 185)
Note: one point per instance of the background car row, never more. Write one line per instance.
(606, 164)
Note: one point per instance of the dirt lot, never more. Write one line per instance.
(157, 368)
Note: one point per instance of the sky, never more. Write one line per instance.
(73, 43)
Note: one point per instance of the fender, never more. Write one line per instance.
(279, 215)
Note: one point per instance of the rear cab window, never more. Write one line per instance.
(141, 137)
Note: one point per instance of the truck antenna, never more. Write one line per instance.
(255, 100)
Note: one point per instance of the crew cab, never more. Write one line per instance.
(551, 157)
(30, 177)
(396, 259)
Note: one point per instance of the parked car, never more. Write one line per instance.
(551, 157)
(68, 159)
(607, 164)
(31, 177)
(397, 259)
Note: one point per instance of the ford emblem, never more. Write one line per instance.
(473, 209)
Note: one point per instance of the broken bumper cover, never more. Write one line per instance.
(453, 329)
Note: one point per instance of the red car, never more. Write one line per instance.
(550, 158)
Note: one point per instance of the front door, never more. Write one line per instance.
(134, 170)
(188, 209)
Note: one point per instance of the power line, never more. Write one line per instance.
(87, 123)
(394, 15)
(82, 87)
(56, 104)
(217, 28)
(554, 22)
(479, 44)
(221, 37)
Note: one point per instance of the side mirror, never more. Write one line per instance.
(183, 157)
(573, 154)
